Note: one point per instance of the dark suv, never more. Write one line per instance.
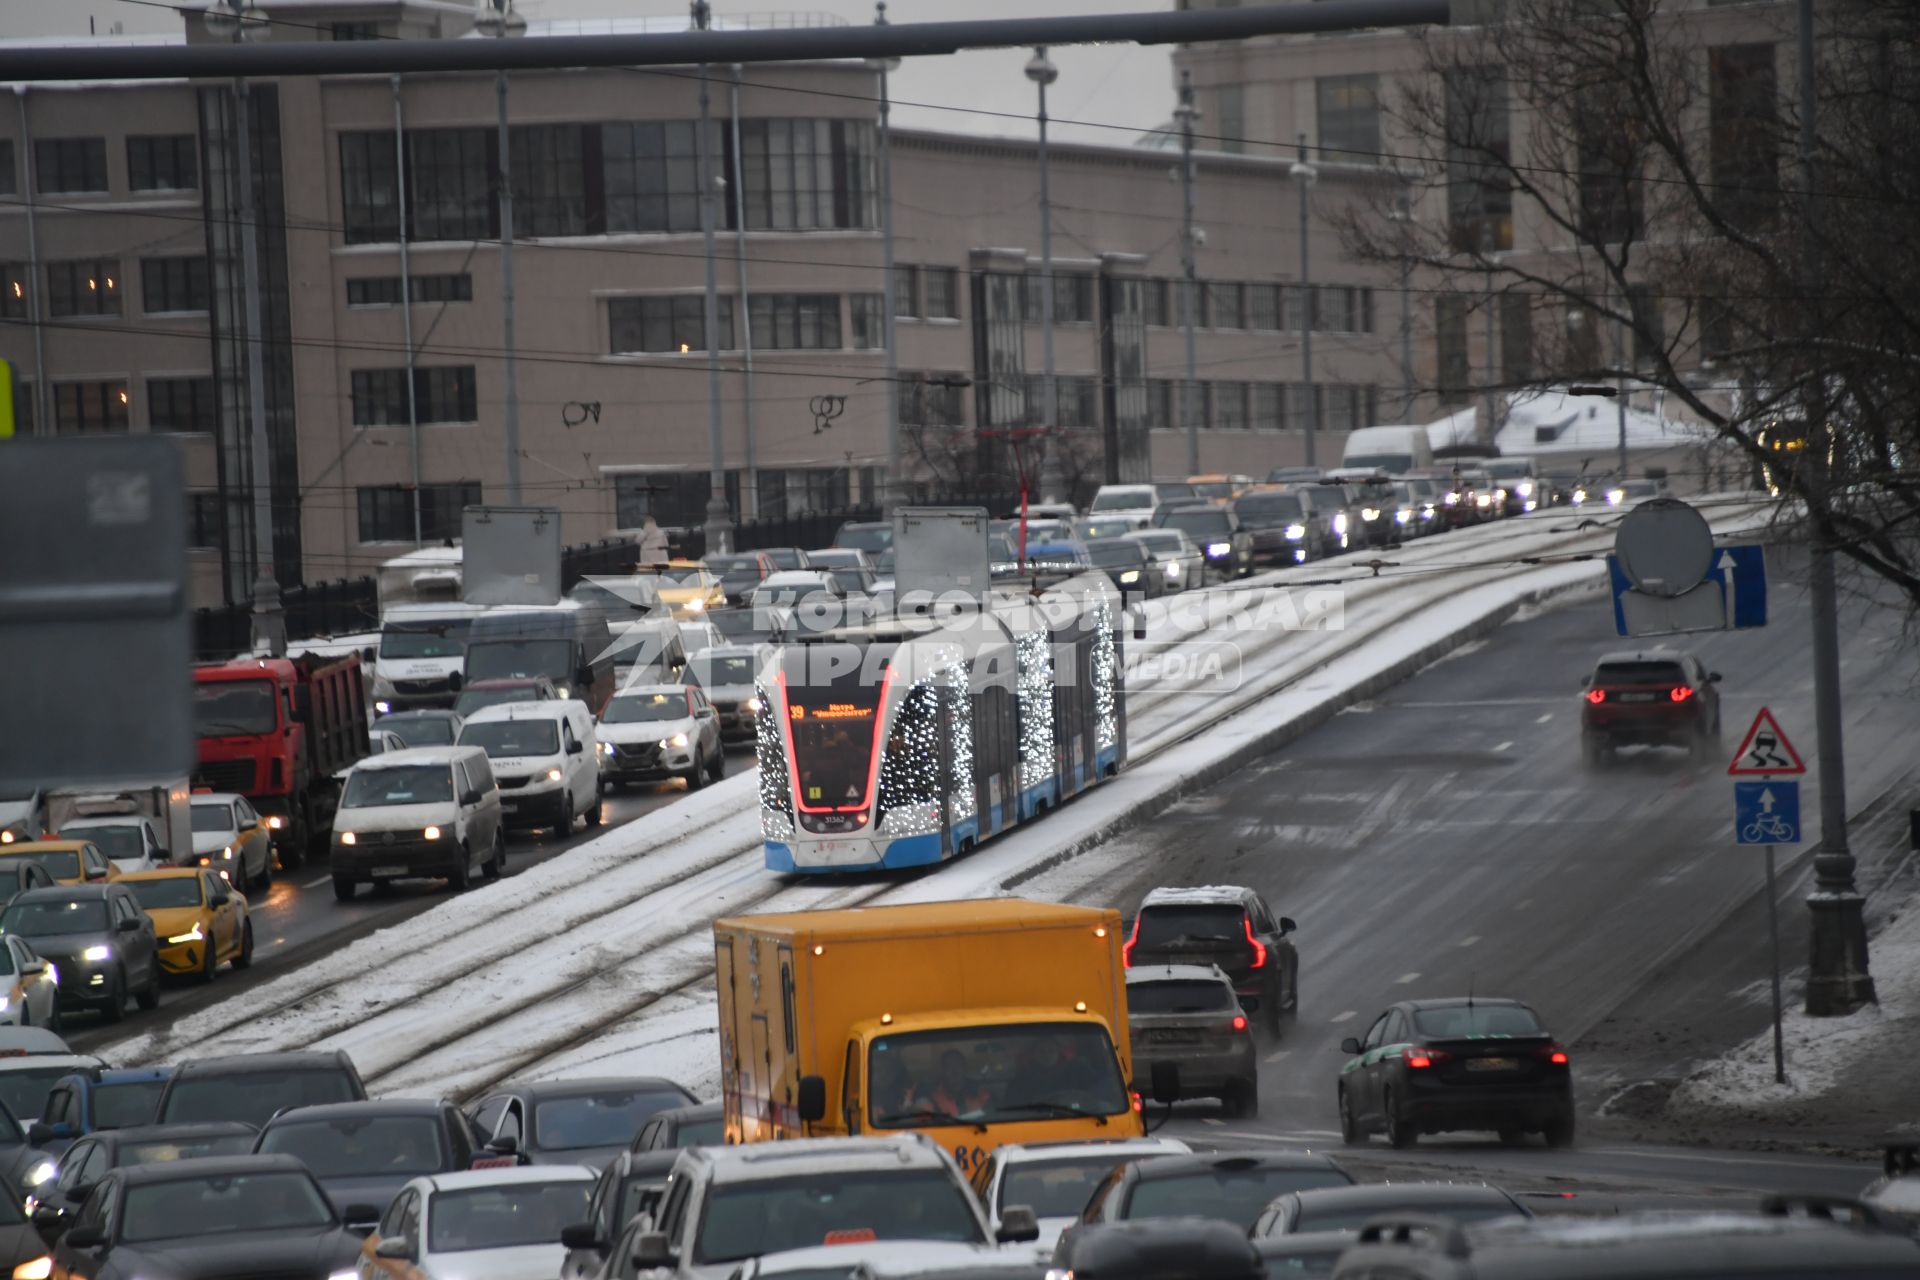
(1652, 698)
(1228, 926)
(1234, 1186)
(254, 1087)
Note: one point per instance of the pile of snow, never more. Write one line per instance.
(1554, 422)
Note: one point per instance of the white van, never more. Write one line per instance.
(1398, 451)
(422, 812)
(546, 759)
(1134, 503)
(422, 656)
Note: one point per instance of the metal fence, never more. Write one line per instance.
(807, 530)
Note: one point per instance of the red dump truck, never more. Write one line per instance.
(277, 730)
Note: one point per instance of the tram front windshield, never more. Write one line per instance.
(832, 712)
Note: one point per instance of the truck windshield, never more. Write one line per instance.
(832, 723)
(409, 784)
(518, 659)
(427, 638)
(1031, 1071)
(751, 1219)
(116, 842)
(233, 707)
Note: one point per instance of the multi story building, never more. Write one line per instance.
(380, 255)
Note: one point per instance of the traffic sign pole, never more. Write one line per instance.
(1773, 924)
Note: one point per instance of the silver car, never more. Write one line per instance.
(1179, 558)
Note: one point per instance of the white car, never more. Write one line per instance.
(33, 998)
(230, 836)
(543, 756)
(1055, 1179)
(129, 840)
(652, 732)
(885, 1260)
(487, 1224)
(1183, 563)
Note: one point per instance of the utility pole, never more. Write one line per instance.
(1838, 978)
(1043, 73)
(743, 308)
(499, 20)
(1620, 400)
(1493, 361)
(1188, 115)
(719, 523)
(1304, 176)
(406, 299)
(895, 483)
(1407, 379)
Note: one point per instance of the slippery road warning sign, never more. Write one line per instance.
(1765, 749)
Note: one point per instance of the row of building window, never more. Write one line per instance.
(658, 323)
(441, 393)
(1269, 308)
(92, 287)
(600, 179)
(1261, 406)
(173, 404)
(678, 499)
(384, 291)
(74, 166)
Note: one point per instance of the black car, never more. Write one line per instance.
(99, 940)
(1217, 531)
(1431, 1066)
(1188, 1015)
(704, 1124)
(1278, 523)
(1350, 1208)
(21, 1245)
(253, 1087)
(629, 1186)
(586, 1121)
(96, 1155)
(1373, 505)
(1236, 1186)
(1128, 564)
(364, 1152)
(208, 1220)
(1329, 521)
(1227, 926)
(1159, 1249)
(1655, 697)
(1791, 1238)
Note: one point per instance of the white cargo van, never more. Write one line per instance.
(422, 656)
(546, 759)
(1397, 451)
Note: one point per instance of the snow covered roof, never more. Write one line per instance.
(1205, 895)
(1552, 421)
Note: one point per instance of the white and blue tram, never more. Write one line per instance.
(907, 742)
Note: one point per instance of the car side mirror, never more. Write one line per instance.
(1287, 925)
(581, 1235)
(470, 797)
(1713, 677)
(1350, 1045)
(1166, 1083)
(39, 1133)
(49, 1222)
(222, 897)
(361, 1219)
(397, 1247)
(78, 1194)
(812, 1102)
(127, 926)
(1018, 1225)
(86, 1238)
(583, 679)
(576, 748)
(651, 1250)
(504, 1145)
(454, 681)
(1585, 681)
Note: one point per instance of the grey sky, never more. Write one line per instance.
(1118, 85)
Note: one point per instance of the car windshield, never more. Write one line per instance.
(1329, 495)
(117, 841)
(1237, 1195)
(361, 1145)
(1201, 520)
(253, 1097)
(508, 1216)
(1026, 1071)
(404, 784)
(608, 1118)
(1167, 542)
(197, 1207)
(25, 1090)
(1268, 510)
(1463, 1022)
(1213, 489)
(61, 864)
(224, 707)
(710, 671)
(518, 659)
(168, 1150)
(734, 624)
(1352, 1219)
(1509, 470)
(747, 1220)
(168, 891)
(427, 638)
(513, 737)
(1176, 925)
(637, 708)
(871, 538)
(1114, 553)
(1055, 1188)
(1180, 995)
(419, 731)
(126, 1104)
(1091, 529)
(212, 818)
(1665, 673)
(51, 916)
(1121, 500)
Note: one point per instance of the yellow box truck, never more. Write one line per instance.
(977, 1023)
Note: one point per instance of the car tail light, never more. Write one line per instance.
(1126, 948)
(1239, 1022)
(1596, 696)
(1420, 1059)
(1138, 1103)
(1259, 947)
(1555, 1055)
(1680, 693)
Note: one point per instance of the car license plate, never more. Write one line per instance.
(1636, 697)
(1176, 1037)
(389, 871)
(1492, 1064)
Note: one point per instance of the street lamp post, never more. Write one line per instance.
(499, 20)
(1042, 72)
(719, 525)
(1187, 115)
(895, 481)
(1304, 176)
(269, 629)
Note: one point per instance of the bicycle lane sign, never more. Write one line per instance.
(1766, 812)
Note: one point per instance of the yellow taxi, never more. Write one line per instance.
(67, 861)
(689, 589)
(200, 920)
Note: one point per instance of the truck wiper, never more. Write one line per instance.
(1060, 1109)
(926, 1114)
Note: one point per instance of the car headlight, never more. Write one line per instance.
(1295, 532)
(1219, 548)
(1402, 516)
(347, 837)
(431, 833)
(1579, 496)
(1616, 496)
(40, 1173)
(194, 934)
(753, 704)
(97, 953)
(1173, 568)
(1453, 499)
(562, 690)
(1369, 513)
(41, 1267)
(1524, 488)
(1483, 499)
(227, 851)
(1131, 575)
(606, 749)
(1339, 522)
(677, 740)
(553, 775)
(276, 822)
(382, 708)
(696, 606)
(52, 975)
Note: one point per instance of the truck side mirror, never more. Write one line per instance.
(650, 1250)
(1166, 1083)
(812, 1102)
(367, 654)
(1018, 1225)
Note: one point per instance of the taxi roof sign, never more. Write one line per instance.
(1765, 750)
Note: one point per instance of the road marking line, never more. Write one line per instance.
(1405, 978)
(315, 884)
(1342, 1017)
(1543, 719)
(1470, 939)
(1503, 746)
(1278, 1054)
(1218, 1124)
